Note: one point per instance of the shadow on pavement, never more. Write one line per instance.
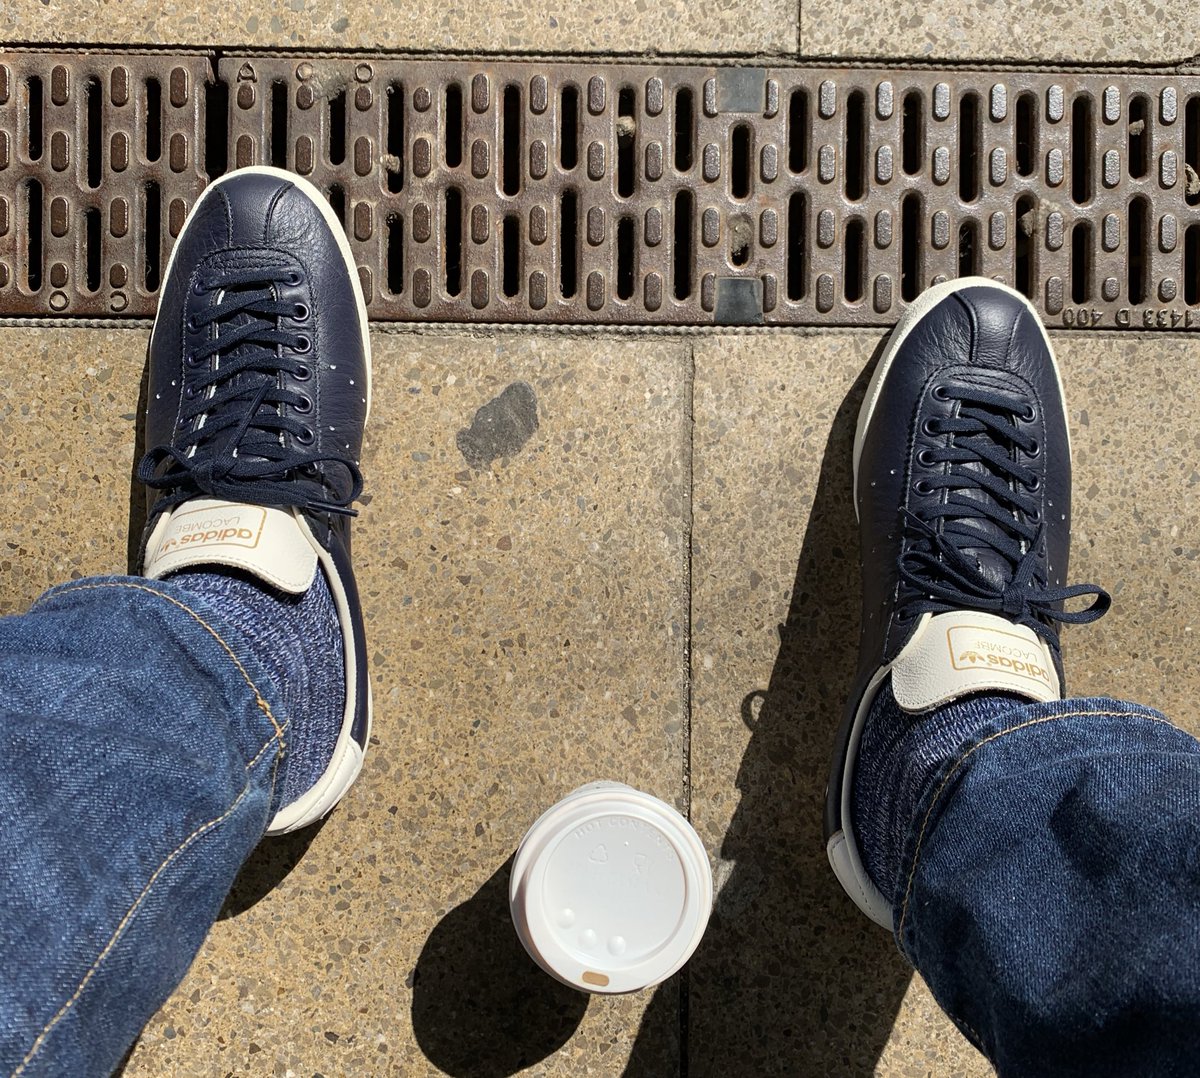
(481, 1008)
(790, 978)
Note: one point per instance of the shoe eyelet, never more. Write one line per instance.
(1034, 517)
(304, 406)
(941, 393)
(198, 288)
(189, 392)
(1036, 485)
(294, 277)
(191, 361)
(192, 325)
(306, 436)
(303, 344)
(1034, 450)
(921, 486)
(928, 430)
(300, 312)
(1028, 415)
(302, 373)
(925, 458)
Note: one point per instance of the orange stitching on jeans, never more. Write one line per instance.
(124, 923)
(970, 752)
(263, 706)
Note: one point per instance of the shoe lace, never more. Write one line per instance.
(238, 449)
(989, 503)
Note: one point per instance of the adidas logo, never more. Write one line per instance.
(997, 651)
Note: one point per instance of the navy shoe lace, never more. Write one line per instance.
(248, 448)
(936, 567)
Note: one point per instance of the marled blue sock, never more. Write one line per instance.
(298, 641)
(898, 754)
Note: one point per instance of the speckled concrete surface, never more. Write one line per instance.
(1091, 31)
(528, 631)
(666, 26)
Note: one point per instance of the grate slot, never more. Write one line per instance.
(1023, 271)
(512, 143)
(685, 129)
(93, 133)
(279, 126)
(1191, 145)
(968, 148)
(797, 278)
(34, 116)
(455, 136)
(682, 274)
(910, 250)
(92, 249)
(395, 255)
(912, 137)
(1026, 134)
(216, 129)
(1082, 143)
(1139, 137)
(968, 248)
(152, 211)
(797, 130)
(337, 124)
(153, 119)
(33, 223)
(853, 282)
(1139, 255)
(1191, 265)
(626, 137)
(568, 243)
(856, 146)
(1081, 263)
(395, 139)
(740, 153)
(625, 258)
(453, 226)
(568, 129)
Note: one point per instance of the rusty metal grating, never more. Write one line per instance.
(572, 192)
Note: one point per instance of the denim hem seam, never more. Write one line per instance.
(131, 913)
(259, 700)
(961, 761)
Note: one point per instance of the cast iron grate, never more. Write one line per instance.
(582, 192)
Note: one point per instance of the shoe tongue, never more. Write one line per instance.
(269, 543)
(965, 651)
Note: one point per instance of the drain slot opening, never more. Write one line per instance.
(797, 131)
(33, 212)
(1026, 134)
(454, 126)
(153, 119)
(912, 136)
(797, 278)
(216, 128)
(395, 255)
(512, 142)
(1139, 234)
(855, 255)
(1191, 145)
(568, 129)
(337, 200)
(1191, 264)
(1139, 137)
(856, 146)
(94, 134)
(395, 137)
(1081, 149)
(1026, 229)
(33, 87)
(568, 245)
(683, 245)
(453, 233)
(685, 129)
(968, 148)
(91, 248)
(1081, 262)
(625, 257)
(511, 284)
(968, 248)
(337, 126)
(626, 131)
(279, 125)
(153, 234)
(739, 181)
(910, 246)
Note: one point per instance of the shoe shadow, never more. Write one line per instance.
(137, 492)
(481, 1008)
(268, 865)
(791, 979)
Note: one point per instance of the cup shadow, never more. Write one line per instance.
(791, 979)
(481, 1007)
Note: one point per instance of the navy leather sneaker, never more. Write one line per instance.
(260, 385)
(962, 487)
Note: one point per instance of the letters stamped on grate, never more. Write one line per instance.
(574, 192)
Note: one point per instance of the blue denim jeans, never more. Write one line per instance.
(1050, 892)
(139, 753)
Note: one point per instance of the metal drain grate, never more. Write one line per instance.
(605, 193)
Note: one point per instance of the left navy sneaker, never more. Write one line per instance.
(962, 488)
(259, 389)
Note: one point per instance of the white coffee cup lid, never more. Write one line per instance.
(611, 889)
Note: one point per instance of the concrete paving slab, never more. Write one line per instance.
(527, 619)
(791, 979)
(626, 26)
(1092, 31)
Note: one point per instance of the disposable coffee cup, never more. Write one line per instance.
(611, 889)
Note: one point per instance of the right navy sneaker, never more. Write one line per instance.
(962, 488)
(259, 389)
